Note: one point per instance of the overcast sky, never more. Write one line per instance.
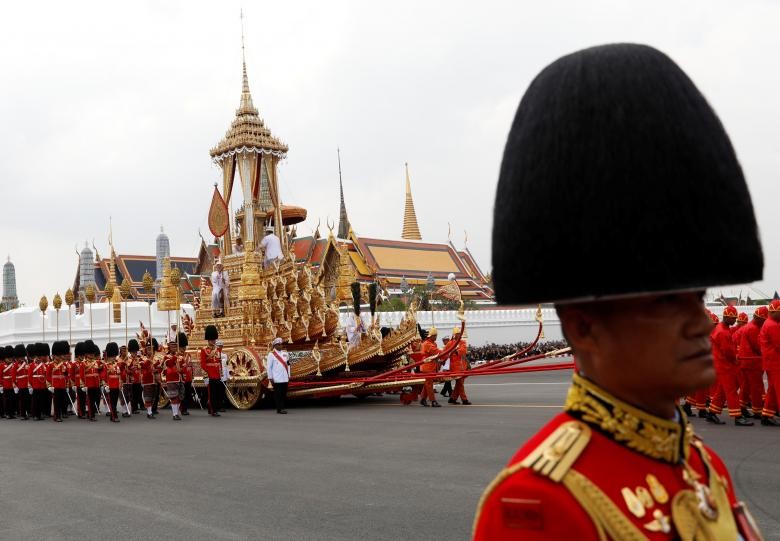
(111, 111)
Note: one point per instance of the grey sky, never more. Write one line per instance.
(111, 110)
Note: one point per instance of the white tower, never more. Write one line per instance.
(10, 300)
(86, 267)
(163, 250)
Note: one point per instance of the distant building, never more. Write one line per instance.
(10, 299)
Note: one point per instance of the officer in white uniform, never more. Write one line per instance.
(278, 370)
(220, 281)
(272, 247)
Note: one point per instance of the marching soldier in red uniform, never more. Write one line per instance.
(459, 363)
(37, 372)
(112, 376)
(769, 339)
(76, 380)
(10, 390)
(157, 370)
(625, 149)
(91, 374)
(727, 372)
(126, 391)
(429, 349)
(749, 357)
(173, 381)
(3, 363)
(134, 371)
(149, 385)
(736, 337)
(22, 381)
(185, 369)
(57, 378)
(211, 363)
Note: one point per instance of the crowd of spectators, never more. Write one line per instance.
(491, 352)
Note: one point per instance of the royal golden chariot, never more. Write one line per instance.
(291, 299)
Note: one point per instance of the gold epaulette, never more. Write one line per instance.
(556, 454)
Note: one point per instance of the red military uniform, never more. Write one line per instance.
(769, 339)
(37, 372)
(9, 396)
(459, 363)
(173, 383)
(749, 357)
(211, 364)
(57, 377)
(91, 375)
(22, 382)
(429, 349)
(112, 375)
(185, 369)
(606, 470)
(725, 358)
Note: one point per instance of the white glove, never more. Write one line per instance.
(51, 389)
(29, 387)
(206, 381)
(73, 388)
(16, 389)
(83, 389)
(1, 390)
(105, 389)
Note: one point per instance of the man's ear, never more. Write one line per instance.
(577, 327)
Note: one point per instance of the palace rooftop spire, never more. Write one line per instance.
(344, 226)
(411, 230)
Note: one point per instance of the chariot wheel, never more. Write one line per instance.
(244, 384)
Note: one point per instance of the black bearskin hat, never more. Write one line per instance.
(20, 352)
(211, 333)
(89, 348)
(613, 165)
(78, 351)
(183, 340)
(43, 349)
(60, 347)
(2, 353)
(32, 350)
(132, 346)
(112, 349)
(9, 352)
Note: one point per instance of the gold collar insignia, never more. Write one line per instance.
(643, 432)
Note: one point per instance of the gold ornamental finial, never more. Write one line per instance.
(175, 276)
(109, 290)
(69, 298)
(89, 292)
(43, 304)
(126, 289)
(148, 282)
(57, 301)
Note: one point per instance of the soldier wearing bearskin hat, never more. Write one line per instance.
(126, 391)
(173, 380)
(211, 364)
(57, 378)
(134, 376)
(749, 357)
(148, 380)
(112, 376)
(91, 377)
(185, 369)
(77, 381)
(10, 391)
(616, 159)
(724, 354)
(22, 380)
(37, 371)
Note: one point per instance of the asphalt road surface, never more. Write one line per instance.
(342, 470)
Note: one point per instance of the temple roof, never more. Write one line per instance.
(248, 132)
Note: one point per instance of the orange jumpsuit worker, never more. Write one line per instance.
(724, 355)
(429, 349)
(769, 338)
(749, 357)
(459, 363)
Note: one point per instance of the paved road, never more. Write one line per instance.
(344, 470)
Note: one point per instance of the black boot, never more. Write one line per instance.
(768, 421)
(465, 402)
(741, 421)
(702, 413)
(746, 413)
(714, 419)
(452, 401)
(424, 402)
(687, 409)
(435, 404)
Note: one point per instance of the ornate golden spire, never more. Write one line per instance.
(411, 230)
(248, 131)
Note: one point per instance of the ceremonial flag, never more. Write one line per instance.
(219, 218)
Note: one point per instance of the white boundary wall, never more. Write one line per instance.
(23, 325)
